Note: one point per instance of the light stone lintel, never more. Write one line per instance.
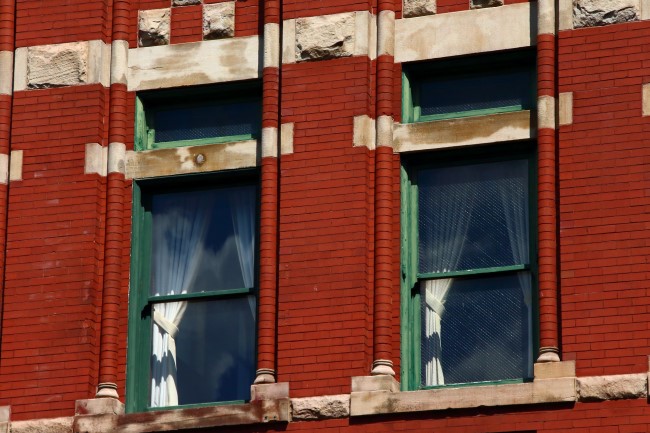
(194, 63)
(116, 157)
(99, 63)
(466, 131)
(540, 391)
(364, 131)
(386, 33)
(566, 108)
(286, 138)
(20, 69)
(415, 37)
(565, 14)
(191, 159)
(96, 159)
(363, 41)
(4, 179)
(6, 72)
(289, 41)
(385, 135)
(546, 112)
(645, 9)
(545, 17)
(16, 165)
(553, 370)
(645, 98)
(119, 61)
(271, 45)
(269, 142)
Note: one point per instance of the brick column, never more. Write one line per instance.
(7, 31)
(117, 127)
(547, 178)
(267, 320)
(384, 255)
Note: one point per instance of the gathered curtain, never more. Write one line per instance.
(178, 244)
(452, 215)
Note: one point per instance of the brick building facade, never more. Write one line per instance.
(336, 216)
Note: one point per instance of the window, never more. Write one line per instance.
(193, 303)
(468, 268)
(202, 115)
(471, 86)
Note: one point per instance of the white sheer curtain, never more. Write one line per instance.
(452, 215)
(178, 233)
(242, 210)
(514, 198)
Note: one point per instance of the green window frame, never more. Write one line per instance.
(239, 100)
(143, 304)
(414, 278)
(442, 89)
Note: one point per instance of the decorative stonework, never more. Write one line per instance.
(480, 4)
(153, 27)
(325, 37)
(417, 8)
(57, 65)
(589, 13)
(322, 407)
(624, 386)
(185, 2)
(219, 20)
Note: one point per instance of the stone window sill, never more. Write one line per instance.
(255, 412)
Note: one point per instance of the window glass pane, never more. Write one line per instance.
(214, 357)
(481, 333)
(479, 91)
(203, 240)
(206, 121)
(473, 216)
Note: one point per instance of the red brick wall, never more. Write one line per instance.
(324, 309)
(54, 247)
(603, 200)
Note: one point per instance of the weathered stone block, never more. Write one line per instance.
(219, 20)
(57, 65)
(185, 2)
(417, 8)
(479, 4)
(325, 37)
(589, 13)
(322, 407)
(153, 27)
(623, 386)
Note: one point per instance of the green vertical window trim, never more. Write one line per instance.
(410, 296)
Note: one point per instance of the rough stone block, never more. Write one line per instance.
(185, 2)
(153, 27)
(48, 425)
(589, 13)
(616, 387)
(219, 20)
(57, 65)
(418, 8)
(480, 4)
(322, 407)
(325, 37)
